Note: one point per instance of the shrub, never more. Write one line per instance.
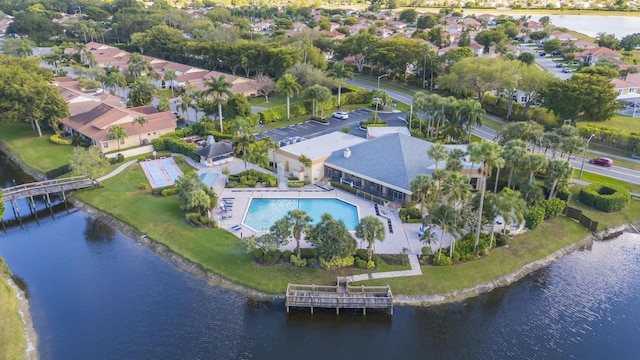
(337, 262)
(143, 186)
(142, 159)
(410, 213)
(200, 220)
(502, 239)
(362, 264)
(119, 158)
(362, 254)
(441, 260)
(297, 262)
(426, 250)
(307, 253)
(534, 217)
(270, 257)
(553, 207)
(312, 262)
(169, 191)
(295, 183)
(371, 264)
(287, 254)
(605, 197)
(56, 139)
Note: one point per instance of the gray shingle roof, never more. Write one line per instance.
(216, 149)
(394, 159)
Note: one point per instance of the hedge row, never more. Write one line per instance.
(605, 197)
(174, 144)
(56, 139)
(538, 114)
(611, 137)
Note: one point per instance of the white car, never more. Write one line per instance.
(340, 115)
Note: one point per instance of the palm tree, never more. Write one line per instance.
(317, 94)
(423, 187)
(219, 89)
(559, 172)
(534, 163)
(288, 85)
(455, 158)
(241, 145)
(514, 152)
(185, 104)
(370, 229)
(137, 65)
(114, 80)
(457, 190)
(117, 132)
(380, 96)
(273, 146)
(139, 120)
(296, 223)
(489, 156)
(431, 108)
(169, 77)
(420, 103)
(437, 152)
(472, 113)
(511, 206)
(444, 216)
(257, 155)
(340, 71)
(305, 161)
(206, 120)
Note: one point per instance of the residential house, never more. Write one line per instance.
(215, 152)
(562, 36)
(592, 56)
(628, 90)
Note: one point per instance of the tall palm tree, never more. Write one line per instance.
(139, 120)
(185, 104)
(420, 103)
(288, 85)
(206, 120)
(370, 229)
(559, 172)
(169, 77)
(514, 152)
(437, 152)
(117, 132)
(380, 96)
(115, 79)
(510, 204)
(257, 155)
(534, 163)
(444, 216)
(489, 156)
(220, 89)
(136, 64)
(340, 71)
(455, 158)
(457, 190)
(305, 161)
(273, 146)
(317, 94)
(241, 145)
(432, 108)
(295, 223)
(472, 113)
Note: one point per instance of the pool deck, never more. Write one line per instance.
(403, 239)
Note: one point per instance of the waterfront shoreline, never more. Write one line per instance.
(24, 310)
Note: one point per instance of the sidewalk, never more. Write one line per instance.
(415, 271)
(118, 170)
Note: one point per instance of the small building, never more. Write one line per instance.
(215, 152)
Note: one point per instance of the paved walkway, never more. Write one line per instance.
(415, 271)
(118, 170)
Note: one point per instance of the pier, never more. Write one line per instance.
(340, 296)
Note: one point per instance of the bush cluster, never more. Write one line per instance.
(441, 260)
(296, 183)
(169, 191)
(553, 207)
(266, 258)
(337, 262)
(605, 197)
(502, 239)
(534, 217)
(410, 213)
(250, 178)
(617, 138)
(297, 262)
(200, 220)
(143, 186)
(174, 144)
(278, 113)
(57, 139)
(540, 115)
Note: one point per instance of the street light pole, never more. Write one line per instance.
(380, 77)
(584, 154)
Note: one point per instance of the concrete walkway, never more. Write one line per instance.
(118, 170)
(415, 271)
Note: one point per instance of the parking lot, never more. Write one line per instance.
(310, 129)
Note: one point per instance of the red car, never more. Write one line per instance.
(602, 161)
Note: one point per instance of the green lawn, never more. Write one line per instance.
(390, 85)
(274, 100)
(630, 214)
(12, 340)
(620, 122)
(591, 177)
(37, 152)
(523, 249)
(493, 124)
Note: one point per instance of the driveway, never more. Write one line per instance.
(546, 62)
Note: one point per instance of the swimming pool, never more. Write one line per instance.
(265, 212)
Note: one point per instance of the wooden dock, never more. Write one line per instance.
(46, 187)
(341, 296)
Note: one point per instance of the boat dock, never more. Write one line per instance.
(340, 296)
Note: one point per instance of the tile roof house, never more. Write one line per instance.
(404, 158)
(591, 56)
(628, 90)
(93, 114)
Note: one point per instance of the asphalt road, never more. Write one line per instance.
(546, 63)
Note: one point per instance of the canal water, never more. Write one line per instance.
(96, 294)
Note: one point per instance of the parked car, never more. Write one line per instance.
(555, 53)
(566, 70)
(340, 115)
(542, 53)
(602, 162)
(559, 65)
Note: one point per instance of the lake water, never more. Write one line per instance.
(593, 24)
(96, 294)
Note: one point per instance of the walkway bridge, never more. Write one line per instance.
(46, 187)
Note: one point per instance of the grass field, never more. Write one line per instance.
(591, 177)
(525, 248)
(37, 152)
(620, 122)
(630, 214)
(274, 100)
(12, 340)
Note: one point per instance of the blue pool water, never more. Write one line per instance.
(265, 212)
